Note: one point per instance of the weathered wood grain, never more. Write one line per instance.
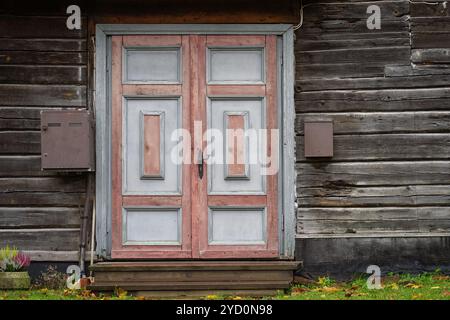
(373, 100)
(20, 142)
(430, 79)
(372, 220)
(22, 166)
(43, 74)
(387, 147)
(431, 55)
(56, 199)
(41, 57)
(43, 95)
(387, 173)
(14, 26)
(346, 196)
(12, 118)
(429, 9)
(431, 39)
(381, 122)
(48, 45)
(344, 43)
(384, 55)
(39, 217)
(68, 183)
(41, 239)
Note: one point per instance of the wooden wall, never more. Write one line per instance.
(388, 93)
(43, 66)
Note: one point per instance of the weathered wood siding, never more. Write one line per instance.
(43, 65)
(388, 94)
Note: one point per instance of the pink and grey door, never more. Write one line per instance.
(194, 147)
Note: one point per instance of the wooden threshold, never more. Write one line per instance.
(194, 278)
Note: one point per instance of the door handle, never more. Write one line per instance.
(200, 164)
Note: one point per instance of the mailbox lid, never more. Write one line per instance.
(67, 140)
(318, 138)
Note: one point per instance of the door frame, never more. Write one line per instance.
(287, 174)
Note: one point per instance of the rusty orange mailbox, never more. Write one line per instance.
(67, 140)
(318, 139)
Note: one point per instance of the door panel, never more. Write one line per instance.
(237, 121)
(220, 202)
(151, 198)
(240, 216)
(147, 130)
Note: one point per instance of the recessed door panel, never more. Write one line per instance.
(237, 226)
(148, 144)
(236, 125)
(154, 64)
(235, 65)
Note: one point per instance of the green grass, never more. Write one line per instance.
(45, 294)
(426, 286)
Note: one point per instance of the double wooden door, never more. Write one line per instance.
(194, 146)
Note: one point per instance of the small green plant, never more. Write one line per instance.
(13, 260)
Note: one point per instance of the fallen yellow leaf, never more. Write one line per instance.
(330, 289)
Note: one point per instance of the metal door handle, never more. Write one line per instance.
(200, 164)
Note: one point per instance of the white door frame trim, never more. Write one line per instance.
(287, 191)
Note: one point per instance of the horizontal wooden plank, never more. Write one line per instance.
(12, 26)
(40, 217)
(304, 44)
(381, 95)
(43, 95)
(226, 265)
(19, 118)
(395, 173)
(203, 11)
(381, 122)
(372, 220)
(348, 196)
(43, 74)
(351, 30)
(56, 199)
(66, 183)
(393, 81)
(387, 147)
(376, 214)
(431, 40)
(351, 10)
(198, 285)
(427, 56)
(41, 57)
(421, 24)
(416, 70)
(26, 166)
(41, 239)
(341, 70)
(47, 45)
(56, 256)
(20, 142)
(193, 276)
(385, 55)
(430, 9)
(373, 100)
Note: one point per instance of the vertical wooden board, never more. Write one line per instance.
(152, 145)
(116, 143)
(236, 146)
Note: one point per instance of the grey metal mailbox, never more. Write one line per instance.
(67, 140)
(318, 138)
